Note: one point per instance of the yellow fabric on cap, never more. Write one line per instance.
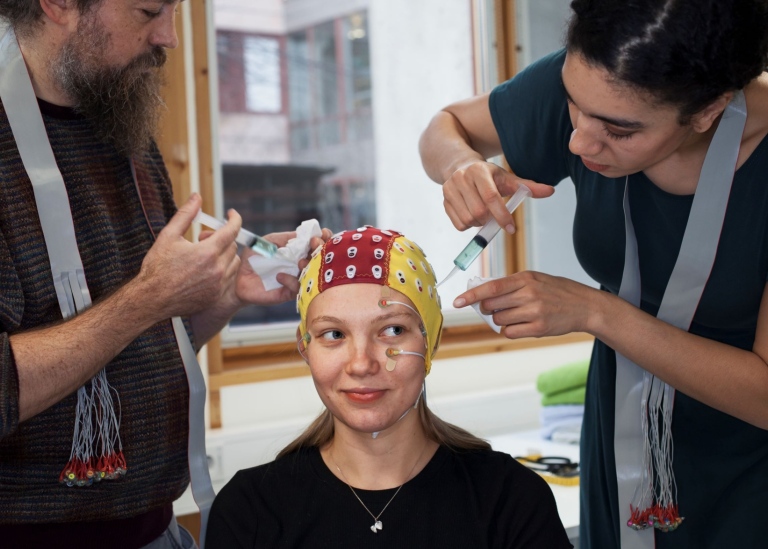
(373, 256)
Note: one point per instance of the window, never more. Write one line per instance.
(263, 78)
(333, 96)
(300, 90)
(402, 67)
(327, 81)
(230, 68)
(250, 73)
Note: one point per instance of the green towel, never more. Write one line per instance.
(563, 378)
(570, 396)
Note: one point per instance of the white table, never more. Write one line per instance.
(567, 497)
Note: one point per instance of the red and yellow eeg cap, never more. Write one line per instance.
(375, 256)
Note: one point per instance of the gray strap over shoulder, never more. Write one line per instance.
(199, 474)
(638, 393)
(48, 185)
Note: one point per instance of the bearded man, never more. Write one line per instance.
(94, 406)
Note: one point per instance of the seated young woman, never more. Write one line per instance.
(378, 468)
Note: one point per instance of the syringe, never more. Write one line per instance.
(485, 235)
(244, 238)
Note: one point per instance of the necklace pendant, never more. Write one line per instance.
(376, 527)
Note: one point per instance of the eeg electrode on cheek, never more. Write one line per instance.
(391, 353)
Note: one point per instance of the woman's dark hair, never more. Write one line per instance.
(24, 14)
(685, 53)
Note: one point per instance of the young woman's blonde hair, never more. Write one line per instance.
(321, 431)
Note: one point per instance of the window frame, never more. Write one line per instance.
(189, 127)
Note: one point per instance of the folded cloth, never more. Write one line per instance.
(570, 396)
(563, 378)
(560, 412)
(562, 422)
(476, 281)
(287, 258)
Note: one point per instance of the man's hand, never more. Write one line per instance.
(181, 278)
(249, 288)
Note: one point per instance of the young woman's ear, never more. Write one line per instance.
(703, 120)
(301, 345)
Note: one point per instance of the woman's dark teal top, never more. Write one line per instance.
(720, 462)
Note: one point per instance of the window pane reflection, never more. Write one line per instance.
(358, 82)
(296, 127)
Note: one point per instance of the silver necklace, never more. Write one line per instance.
(377, 524)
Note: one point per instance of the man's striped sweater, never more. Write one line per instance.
(113, 237)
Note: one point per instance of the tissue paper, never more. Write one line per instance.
(286, 260)
(476, 281)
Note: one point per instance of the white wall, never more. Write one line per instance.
(549, 223)
(421, 58)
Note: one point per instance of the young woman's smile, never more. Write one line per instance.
(363, 395)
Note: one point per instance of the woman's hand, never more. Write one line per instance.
(474, 194)
(532, 304)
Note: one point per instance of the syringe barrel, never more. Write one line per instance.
(490, 229)
(256, 243)
(486, 234)
(470, 252)
(244, 237)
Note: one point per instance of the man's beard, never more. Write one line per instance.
(123, 103)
